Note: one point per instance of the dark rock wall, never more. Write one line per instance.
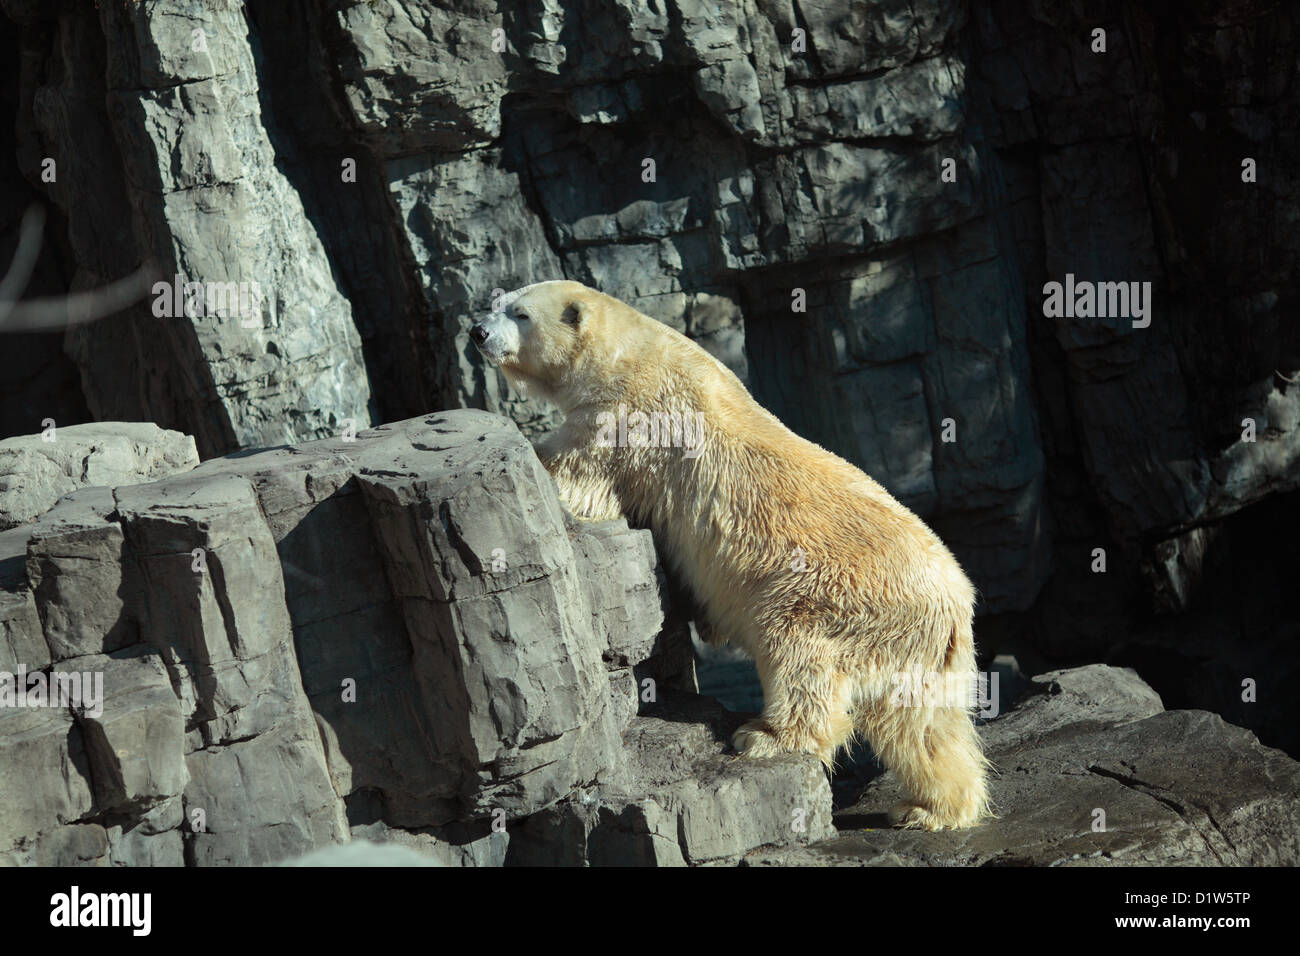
(797, 149)
(1131, 166)
(37, 380)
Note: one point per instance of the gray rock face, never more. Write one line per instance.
(168, 101)
(686, 803)
(362, 853)
(136, 744)
(36, 470)
(1093, 771)
(715, 239)
(854, 206)
(399, 637)
(498, 619)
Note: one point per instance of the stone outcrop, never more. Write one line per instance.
(37, 470)
(1093, 771)
(399, 636)
(161, 158)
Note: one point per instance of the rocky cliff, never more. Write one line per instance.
(854, 205)
(401, 638)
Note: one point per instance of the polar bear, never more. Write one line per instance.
(841, 594)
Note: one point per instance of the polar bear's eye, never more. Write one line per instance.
(521, 316)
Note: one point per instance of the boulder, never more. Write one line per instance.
(37, 470)
(398, 637)
(1091, 770)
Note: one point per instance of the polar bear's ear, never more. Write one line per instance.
(572, 314)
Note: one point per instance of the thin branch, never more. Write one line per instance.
(25, 256)
(53, 313)
(61, 311)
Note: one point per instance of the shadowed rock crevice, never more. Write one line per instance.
(350, 208)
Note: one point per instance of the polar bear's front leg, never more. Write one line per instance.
(584, 487)
(806, 702)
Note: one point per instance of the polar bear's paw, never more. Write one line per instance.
(909, 816)
(757, 738)
(754, 739)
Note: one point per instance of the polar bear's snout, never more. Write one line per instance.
(497, 337)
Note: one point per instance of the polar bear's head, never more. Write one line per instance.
(537, 334)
